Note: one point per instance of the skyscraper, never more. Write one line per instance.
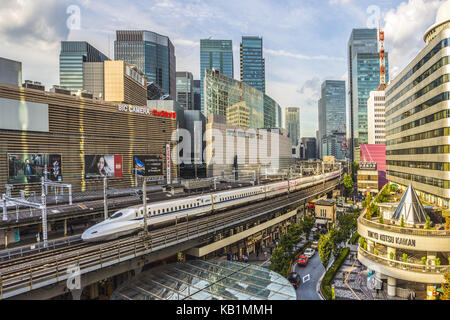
(72, 57)
(216, 54)
(151, 53)
(332, 110)
(197, 95)
(292, 123)
(363, 77)
(185, 90)
(253, 70)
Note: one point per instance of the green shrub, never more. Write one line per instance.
(424, 260)
(325, 286)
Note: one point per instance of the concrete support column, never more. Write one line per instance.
(431, 256)
(65, 227)
(370, 246)
(137, 271)
(6, 238)
(392, 285)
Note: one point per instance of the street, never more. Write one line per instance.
(310, 275)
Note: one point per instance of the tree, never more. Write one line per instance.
(355, 167)
(325, 249)
(446, 286)
(279, 262)
(402, 222)
(306, 225)
(348, 186)
(336, 238)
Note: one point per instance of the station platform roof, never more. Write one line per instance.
(207, 280)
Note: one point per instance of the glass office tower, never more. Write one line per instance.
(222, 91)
(216, 54)
(71, 58)
(292, 123)
(153, 54)
(332, 114)
(253, 70)
(363, 77)
(185, 90)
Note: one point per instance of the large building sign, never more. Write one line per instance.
(391, 239)
(30, 168)
(144, 110)
(148, 165)
(99, 166)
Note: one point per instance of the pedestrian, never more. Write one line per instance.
(38, 238)
(245, 259)
(271, 250)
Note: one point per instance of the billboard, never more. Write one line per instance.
(99, 166)
(30, 167)
(148, 165)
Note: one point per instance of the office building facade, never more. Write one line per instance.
(10, 72)
(221, 91)
(271, 110)
(238, 115)
(185, 90)
(252, 63)
(153, 54)
(291, 117)
(72, 57)
(309, 148)
(197, 89)
(418, 118)
(230, 147)
(376, 124)
(332, 117)
(216, 54)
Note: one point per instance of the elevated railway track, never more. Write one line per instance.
(25, 272)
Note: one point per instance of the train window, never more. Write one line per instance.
(116, 215)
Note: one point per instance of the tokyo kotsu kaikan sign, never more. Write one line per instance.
(391, 239)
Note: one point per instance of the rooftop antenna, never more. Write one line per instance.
(382, 85)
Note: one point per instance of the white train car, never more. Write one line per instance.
(231, 198)
(130, 220)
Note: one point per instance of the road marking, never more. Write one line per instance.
(306, 278)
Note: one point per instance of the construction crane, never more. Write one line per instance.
(382, 85)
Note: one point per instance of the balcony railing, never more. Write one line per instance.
(404, 265)
(403, 230)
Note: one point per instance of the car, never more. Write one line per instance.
(309, 252)
(315, 245)
(302, 260)
(294, 278)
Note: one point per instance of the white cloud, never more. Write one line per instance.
(404, 28)
(284, 53)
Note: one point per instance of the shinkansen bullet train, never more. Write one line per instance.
(131, 220)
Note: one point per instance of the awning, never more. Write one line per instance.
(321, 221)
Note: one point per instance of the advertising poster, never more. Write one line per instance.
(99, 166)
(148, 165)
(29, 168)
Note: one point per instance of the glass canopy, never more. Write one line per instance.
(207, 280)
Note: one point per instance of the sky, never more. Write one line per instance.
(305, 41)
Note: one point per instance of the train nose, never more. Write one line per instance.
(90, 234)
